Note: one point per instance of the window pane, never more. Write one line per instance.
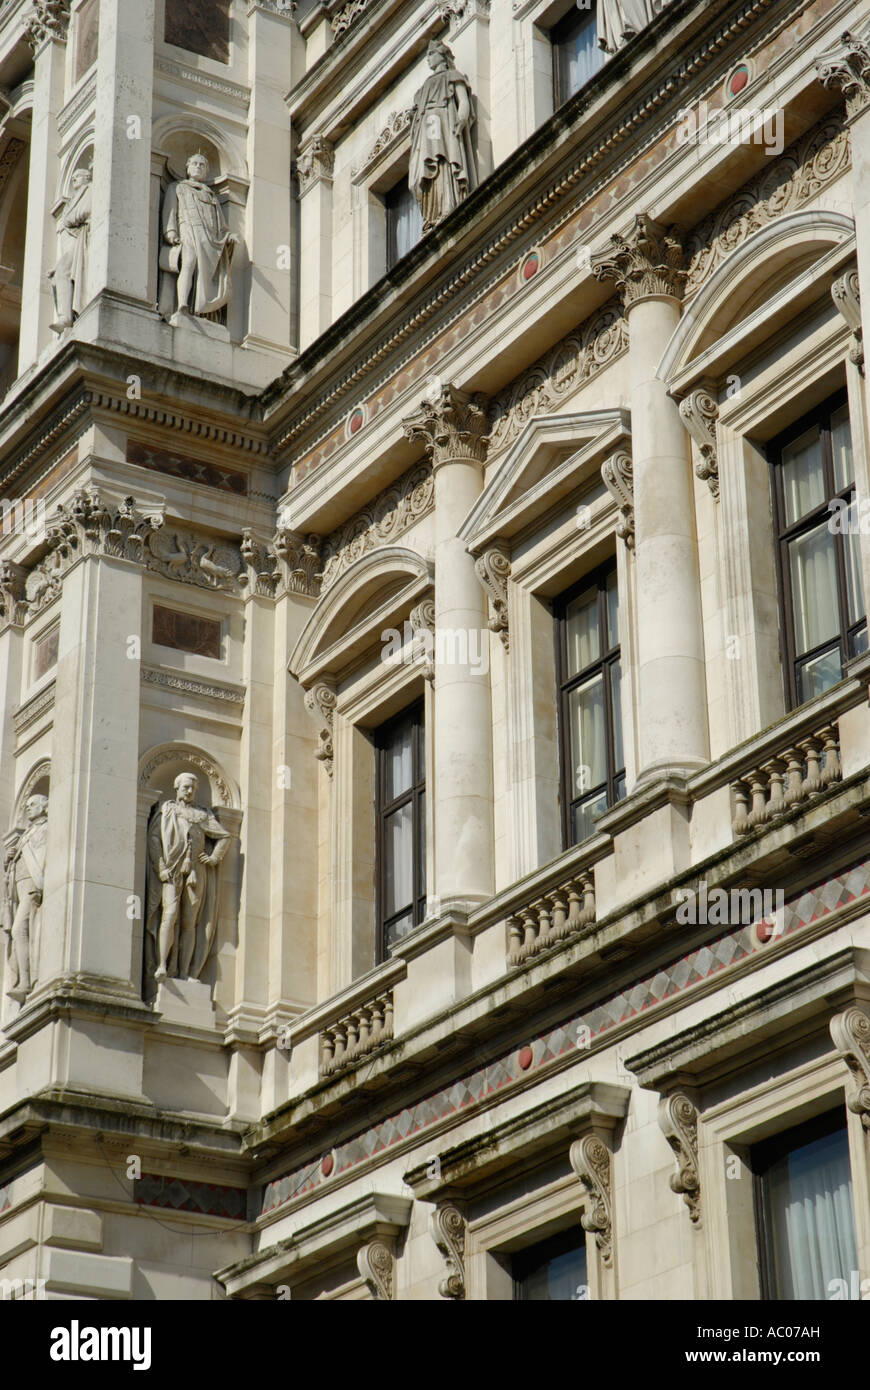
(810, 1201)
(858, 641)
(616, 696)
(398, 860)
(582, 631)
(612, 611)
(404, 222)
(421, 847)
(819, 674)
(398, 761)
(812, 561)
(854, 584)
(803, 481)
(841, 447)
(561, 1279)
(588, 744)
(578, 54)
(583, 817)
(396, 930)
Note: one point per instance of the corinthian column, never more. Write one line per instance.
(453, 427)
(647, 270)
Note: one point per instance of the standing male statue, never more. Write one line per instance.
(70, 275)
(183, 883)
(442, 169)
(24, 872)
(198, 246)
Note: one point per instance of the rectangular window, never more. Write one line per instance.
(199, 26)
(45, 653)
(590, 675)
(404, 221)
(186, 632)
(824, 615)
(553, 1271)
(401, 827)
(576, 54)
(805, 1216)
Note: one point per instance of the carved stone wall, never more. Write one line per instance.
(392, 512)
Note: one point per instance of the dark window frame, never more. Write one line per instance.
(531, 1257)
(416, 796)
(597, 577)
(821, 415)
(762, 1157)
(572, 20)
(391, 213)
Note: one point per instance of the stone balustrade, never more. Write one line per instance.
(356, 1035)
(555, 915)
(798, 774)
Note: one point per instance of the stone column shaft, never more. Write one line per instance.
(315, 192)
(40, 248)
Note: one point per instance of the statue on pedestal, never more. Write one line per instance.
(69, 279)
(183, 883)
(198, 246)
(442, 168)
(24, 874)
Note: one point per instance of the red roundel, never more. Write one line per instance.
(327, 1164)
(525, 1057)
(738, 80)
(531, 265)
(357, 420)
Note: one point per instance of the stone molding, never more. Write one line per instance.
(376, 1262)
(33, 709)
(678, 1121)
(493, 569)
(448, 1232)
(315, 163)
(850, 1031)
(649, 261)
(397, 126)
(590, 1159)
(422, 619)
(399, 506)
(320, 701)
(452, 426)
(846, 67)
(49, 19)
(699, 413)
(846, 294)
(617, 474)
(189, 685)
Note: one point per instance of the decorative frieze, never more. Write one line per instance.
(800, 173)
(48, 19)
(397, 126)
(618, 477)
(574, 360)
(315, 162)
(493, 569)
(189, 685)
(452, 425)
(699, 413)
(448, 1232)
(797, 774)
(846, 294)
(348, 14)
(649, 261)
(851, 1034)
(191, 559)
(376, 1263)
(590, 1159)
(846, 67)
(320, 701)
(392, 512)
(556, 915)
(678, 1121)
(357, 1034)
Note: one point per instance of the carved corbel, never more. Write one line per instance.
(590, 1159)
(846, 294)
(320, 701)
(315, 163)
(850, 1031)
(493, 569)
(618, 478)
(448, 1231)
(699, 413)
(678, 1121)
(423, 628)
(847, 66)
(376, 1263)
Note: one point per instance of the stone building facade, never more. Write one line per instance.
(434, 738)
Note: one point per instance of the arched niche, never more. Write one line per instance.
(36, 783)
(160, 766)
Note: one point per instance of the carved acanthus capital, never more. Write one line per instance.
(320, 701)
(847, 66)
(448, 1231)
(453, 12)
(846, 294)
(376, 1263)
(590, 1159)
(649, 261)
(315, 162)
(298, 562)
(493, 569)
(49, 19)
(850, 1031)
(699, 413)
(423, 628)
(260, 565)
(618, 477)
(678, 1121)
(86, 525)
(13, 601)
(452, 425)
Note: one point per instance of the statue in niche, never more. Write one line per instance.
(442, 169)
(24, 874)
(183, 889)
(198, 246)
(620, 20)
(69, 278)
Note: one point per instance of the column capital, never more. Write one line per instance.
(315, 162)
(649, 261)
(847, 66)
(48, 19)
(452, 424)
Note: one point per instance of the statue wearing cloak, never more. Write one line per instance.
(442, 168)
(198, 244)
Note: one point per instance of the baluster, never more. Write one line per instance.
(530, 923)
(794, 776)
(776, 775)
(588, 913)
(352, 1037)
(388, 1015)
(813, 779)
(365, 1020)
(832, 770)
(740, 819)
(377, 1012)
(559, 923)
(574, 905)
(515, 940)
(340, 1035)
(543, 924)
(758, 787)
(327, 1053)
